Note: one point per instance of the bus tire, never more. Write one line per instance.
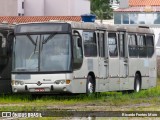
(90, 86)
(137, 83)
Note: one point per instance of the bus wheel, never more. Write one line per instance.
(90, 86)
(137, 84)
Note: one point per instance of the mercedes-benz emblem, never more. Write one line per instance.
(39, 83)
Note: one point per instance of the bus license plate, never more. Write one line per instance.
(39, 90)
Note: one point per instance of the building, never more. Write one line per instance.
(8, 7)
(114, 4)
(44, 7)
(140, 12)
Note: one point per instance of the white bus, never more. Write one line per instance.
(79, 57)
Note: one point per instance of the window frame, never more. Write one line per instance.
(150, 46)
(116, 43)
(142, 44)
(94, 43)
(133, 43)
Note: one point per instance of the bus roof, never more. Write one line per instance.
(99, 26)
(135, 29)
(81, 25)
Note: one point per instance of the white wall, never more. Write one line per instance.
(79, 7)
(34, 7)
(124, 3)
(8, 7)
(56, 7)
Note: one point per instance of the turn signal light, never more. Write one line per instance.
(68, 81)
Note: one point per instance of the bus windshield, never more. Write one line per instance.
(42, 52)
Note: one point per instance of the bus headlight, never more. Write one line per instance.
(59, 81)
(18, 82)
(21, 83)
(62, 81)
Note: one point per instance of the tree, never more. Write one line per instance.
(101, 9)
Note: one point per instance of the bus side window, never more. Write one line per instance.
(77, 51)
(142, 49)
(132, 46)
(112, 42)
(150, 45)
(101, 44)
(90, 45)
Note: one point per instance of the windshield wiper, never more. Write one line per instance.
(48, 38)
(21, 69)
(35, 45)
(31, 39)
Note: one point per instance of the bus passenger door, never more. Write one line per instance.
(123, 59)
(103, 61)
(114, 83)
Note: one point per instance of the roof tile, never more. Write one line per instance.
(25, 19)
(144, 2)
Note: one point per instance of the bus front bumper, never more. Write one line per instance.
(44, 88)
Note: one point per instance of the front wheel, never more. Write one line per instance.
(137, 84)
(90, 86)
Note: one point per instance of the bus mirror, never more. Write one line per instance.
(79, 41)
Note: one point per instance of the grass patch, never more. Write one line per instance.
(18, 102)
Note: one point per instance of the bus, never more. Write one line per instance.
(82, 57)
(6, 38)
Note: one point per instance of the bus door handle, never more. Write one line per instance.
(105, 61)
(105, 64)
(125, 60)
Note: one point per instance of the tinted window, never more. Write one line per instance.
(150, 45)
(132, 46)
(77, 52)
(90, 45)
(142, 49)
(112, 42)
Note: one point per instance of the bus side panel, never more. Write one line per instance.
(152, 71)
(114, 81)
(145, 83)
(78, 85)
(133, 62)
(80, 75)
(5, 80)
(132, 68)
(143, 68)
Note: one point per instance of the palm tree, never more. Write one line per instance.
(101, 9)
